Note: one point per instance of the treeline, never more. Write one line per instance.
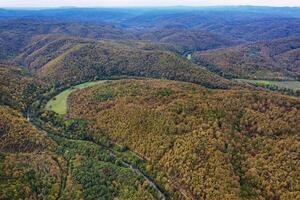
(214, 144)
(286, 91)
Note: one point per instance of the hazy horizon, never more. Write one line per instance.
(144, 3)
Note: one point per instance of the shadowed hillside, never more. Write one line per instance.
(19, 33)
(191, 29)
(68, 61)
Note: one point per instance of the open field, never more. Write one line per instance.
(58, 103)
(295, 85)
(189, 56)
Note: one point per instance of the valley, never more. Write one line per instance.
(108, 91)
(58, 104)
(171, 103)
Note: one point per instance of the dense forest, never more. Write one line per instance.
(85, 61)
(271, 60)
(35, 163)
(18, 88)
(203, 139)
(164, 109)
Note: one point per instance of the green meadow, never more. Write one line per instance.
(58, 103)
(295, 85)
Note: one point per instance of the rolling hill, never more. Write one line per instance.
(231, 24)
(139, 103)
(68, 61)
(207, 143)
(35, 163)
(188, 39)
(275, 59)
(18, 33)
(190, 29)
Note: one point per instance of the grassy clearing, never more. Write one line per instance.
(288, 84)
(58, 103)
(263, 82)
(295, 85)
(189, 56)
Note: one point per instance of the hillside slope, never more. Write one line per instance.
(36, 164)
(17, 87)
(19, 33)
(187, 39)
(28, 167)
(18, 135)
(68, 61)
(140, 138)
(275, 59)
(214, 144)
(245, 25)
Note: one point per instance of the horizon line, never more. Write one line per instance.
(166, 6)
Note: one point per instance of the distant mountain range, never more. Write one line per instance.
(178, 125)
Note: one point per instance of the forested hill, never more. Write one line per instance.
(18, 33)
(189, 29)
(18, 88)
(67, 61)
(274, 59)
(149, 103)
(36, 164)
(208, 144)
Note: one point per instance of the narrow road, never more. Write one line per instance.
(136, 170)
(128, 165)
(185, 194)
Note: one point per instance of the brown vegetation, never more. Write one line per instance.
(217, 144)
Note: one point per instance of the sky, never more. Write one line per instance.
(133, 3)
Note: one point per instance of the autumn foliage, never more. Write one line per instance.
(216, 144)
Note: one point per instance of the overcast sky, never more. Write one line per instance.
(122, 3)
